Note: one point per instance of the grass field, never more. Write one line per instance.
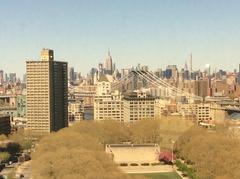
(171, 175)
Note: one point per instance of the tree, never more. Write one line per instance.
(13, 148)
(167, 156)
(212, 153)
(3, 137)
(4, 157)
(145, 131)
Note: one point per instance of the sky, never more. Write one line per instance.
(151, 32)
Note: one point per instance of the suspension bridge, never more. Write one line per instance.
(149, 79)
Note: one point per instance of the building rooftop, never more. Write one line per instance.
(136, 96)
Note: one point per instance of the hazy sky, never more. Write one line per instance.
(152, 32)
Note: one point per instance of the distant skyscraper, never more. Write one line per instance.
(71, 74)
(6, 78)
(1, 76)
(208, 69)
(13, 77)
(100, 68)
(171, 72)
(108, 65)
(24, 78)
(47, 93)
(114, 67)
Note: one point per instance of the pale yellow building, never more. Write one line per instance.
(107, 105)
(138, 106)
(47, 93)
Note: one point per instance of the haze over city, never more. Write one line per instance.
(127, 89)
(156, 33)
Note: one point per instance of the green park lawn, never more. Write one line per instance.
(170, 175)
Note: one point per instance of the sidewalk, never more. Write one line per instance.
(147, 169)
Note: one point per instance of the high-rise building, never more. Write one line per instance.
(47, 55)
(100, 68)
(24, 78)
(71, 74)
(13, 77)
(108, 64)
(6, 78)
(1, 77)
(208, 69)
(47, 93)
(171, 72)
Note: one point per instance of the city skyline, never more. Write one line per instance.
(156, 33)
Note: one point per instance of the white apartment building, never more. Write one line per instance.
(107, 105)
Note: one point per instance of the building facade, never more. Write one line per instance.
(138, 106)
(203, 113)
(75, 110)
(108, 107)
(21, 106)
(5, 125)
(47, 93)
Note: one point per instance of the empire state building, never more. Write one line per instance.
(108, 67)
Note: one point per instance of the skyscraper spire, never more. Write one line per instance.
(108, 67)
(186, 67)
